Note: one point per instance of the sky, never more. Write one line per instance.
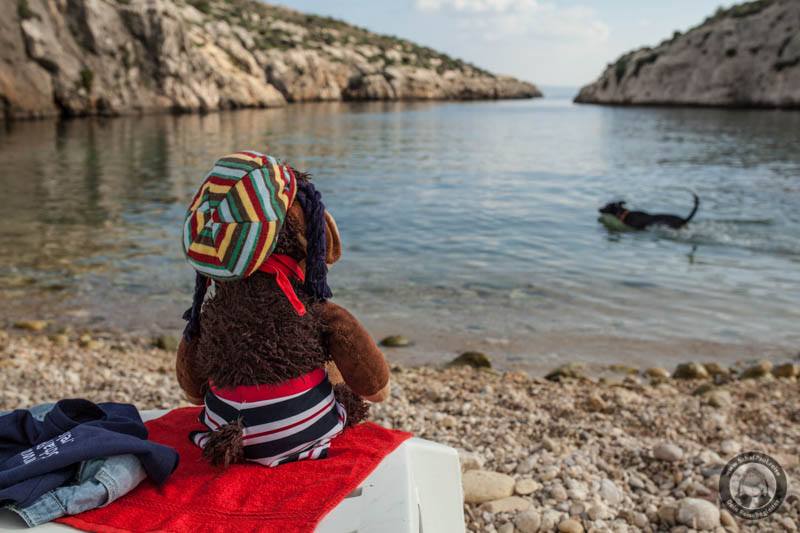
(548, 42)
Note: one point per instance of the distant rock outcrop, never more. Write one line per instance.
(84, 57)
(744, 56)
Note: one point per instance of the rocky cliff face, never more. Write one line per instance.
(747, 56)
(82, 57)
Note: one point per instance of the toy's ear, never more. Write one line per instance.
(333, 250)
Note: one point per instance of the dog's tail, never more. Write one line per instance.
(694, 209)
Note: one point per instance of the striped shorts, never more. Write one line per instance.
(292, 421)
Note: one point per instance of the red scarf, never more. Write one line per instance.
(286, 269)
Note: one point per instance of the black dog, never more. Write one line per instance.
(642, 220)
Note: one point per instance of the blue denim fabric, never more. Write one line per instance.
(98, 483)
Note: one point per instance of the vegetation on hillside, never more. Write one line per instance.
(740, 10)
(269, 23)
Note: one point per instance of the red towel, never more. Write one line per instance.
(198, 497)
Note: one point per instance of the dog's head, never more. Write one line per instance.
(613, 208)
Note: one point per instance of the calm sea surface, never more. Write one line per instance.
(465, 225)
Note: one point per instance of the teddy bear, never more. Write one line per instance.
(279, 369)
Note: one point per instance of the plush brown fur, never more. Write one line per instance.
(357, 409)
(225, 446)
(250, 334)
(190, 380)
(357, 358)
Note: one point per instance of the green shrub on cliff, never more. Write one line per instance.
(87, 79)
(201, 5)
(749, 8)
(620, 68)
(24, 11)
(740, 10)
(642, 61)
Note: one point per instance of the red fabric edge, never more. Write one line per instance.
(256, 393)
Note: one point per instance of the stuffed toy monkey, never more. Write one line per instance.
(279, 368)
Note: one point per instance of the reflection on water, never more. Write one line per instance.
(465, 225)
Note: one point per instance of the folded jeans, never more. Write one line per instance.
(98, 482)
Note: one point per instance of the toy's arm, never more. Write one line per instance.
(356, 355)
(193, 386)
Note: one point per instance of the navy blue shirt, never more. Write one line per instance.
(38, 456)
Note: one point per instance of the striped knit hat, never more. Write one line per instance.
(233, 222)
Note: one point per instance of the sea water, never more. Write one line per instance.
(465, 225)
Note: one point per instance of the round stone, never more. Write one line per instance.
(657, 373)
(715, 369)
(60, 340)
(558, 493)
(473, 359)
(508, 527)
(166, 342)
(469, 460)
(483, 486)
(528, 521)
(570, 525)
(720, 398)
(567, 371)
(759, 370)
(526, 466)
(690, 371)
(31, 325)
(395, 341)
(668, 515)
(598, 511)
(639, 520)
(698, 514)
(730, 447)
(610, 492)
(526, 486)
(728, 521)
(667, 451)
(787, 370)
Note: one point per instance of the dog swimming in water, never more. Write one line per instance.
(642, 220)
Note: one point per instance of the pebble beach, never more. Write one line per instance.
(635, 450)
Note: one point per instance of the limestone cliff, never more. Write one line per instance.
(83, 57)
(744, 56)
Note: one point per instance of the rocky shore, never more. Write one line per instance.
(639, 451)
(747, 55)
(110, 57)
